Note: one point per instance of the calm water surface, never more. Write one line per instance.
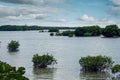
(66, 50)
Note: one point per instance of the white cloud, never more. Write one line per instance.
(57, 20)
(87, 18)
(91, 20)
(27, 17)
(62, 20)
(15, 17)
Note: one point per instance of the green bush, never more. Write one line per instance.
(43, 61)
(88, 31)
(95, 63)
(70, 35)
(7, 72)
(67, 33)
(13, 45)
(115, 68)
(111, 31)
(87, 34)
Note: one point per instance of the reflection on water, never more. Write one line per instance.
(95, 76)
(44, 74)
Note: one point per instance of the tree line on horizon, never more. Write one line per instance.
(108, 31)
(26, 27)
(85, 31)
(89, 31)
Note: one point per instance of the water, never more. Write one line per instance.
(66, 50)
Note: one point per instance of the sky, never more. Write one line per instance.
(60, 12)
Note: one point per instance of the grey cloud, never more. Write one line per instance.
(41, 16)
(36, 10)
(6, 11)
(21, 1)
(39, 2)
(116, 2)
(27, 12)
(115, 9)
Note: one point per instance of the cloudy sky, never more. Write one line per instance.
(60, 12)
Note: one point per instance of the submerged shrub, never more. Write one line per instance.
(95, 63)
(51, 34)
(42, 61)
(13, 45)
(7, 72)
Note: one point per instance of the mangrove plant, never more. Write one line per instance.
(95, 63)
(42, 61)
(115, 68)
(13, 45)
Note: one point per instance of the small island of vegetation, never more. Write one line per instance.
(100, 64)
(95, 63)
(88, 31)
(42, 61)
(111, 31)
(13, 46)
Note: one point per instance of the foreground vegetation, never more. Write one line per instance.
(42, 61)
(13, 46)
(7, 72)
(100, 64)
(115, 68)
